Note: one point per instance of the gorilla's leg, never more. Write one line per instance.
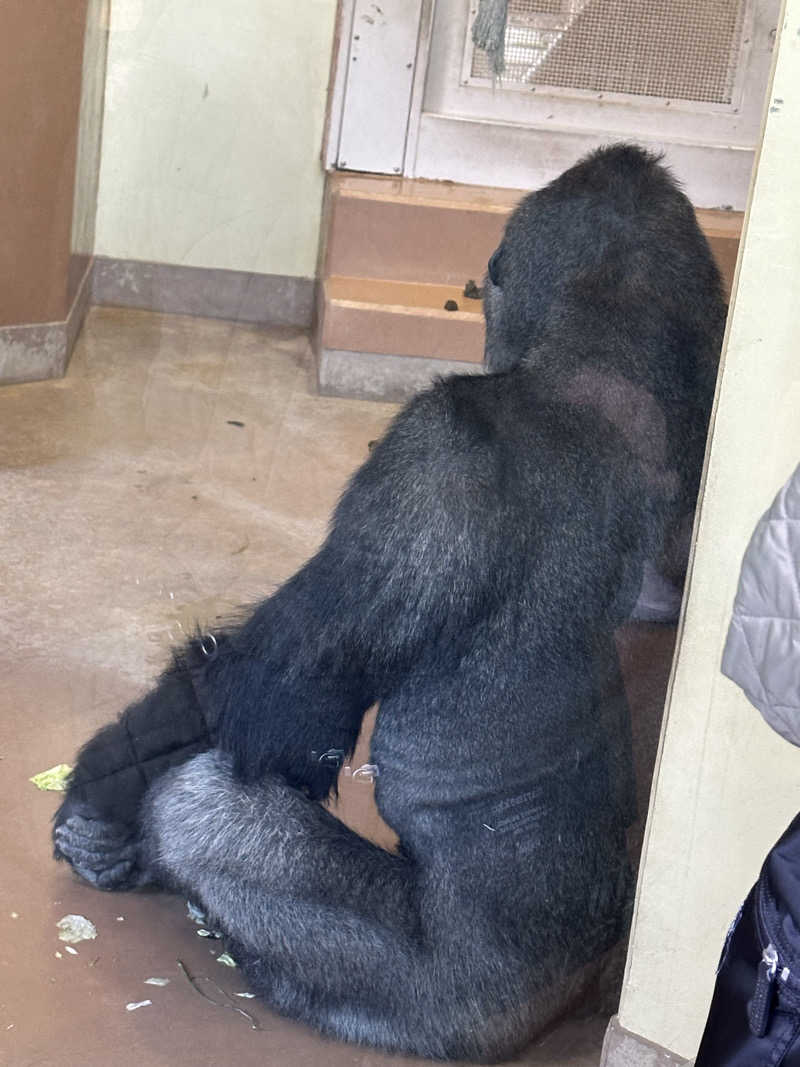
(205, 828)
(331, 930)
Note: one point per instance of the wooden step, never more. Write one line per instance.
(386, 340)
(430, 232)
(723, 230)
(442, 233)
(402, 318)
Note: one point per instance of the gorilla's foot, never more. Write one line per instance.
(105, 854)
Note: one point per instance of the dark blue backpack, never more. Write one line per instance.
(754, 1018)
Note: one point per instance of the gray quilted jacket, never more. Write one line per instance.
(762, 653)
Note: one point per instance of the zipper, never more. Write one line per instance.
(759, 1009)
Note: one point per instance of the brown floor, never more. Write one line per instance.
(132, 506)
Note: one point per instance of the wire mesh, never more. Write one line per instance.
(674, 49)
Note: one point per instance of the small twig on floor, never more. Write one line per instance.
(193, 982)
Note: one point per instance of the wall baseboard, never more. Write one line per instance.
(40, 350)
(242, 296)
(621, 1048)
(37, 351)
(373, 376)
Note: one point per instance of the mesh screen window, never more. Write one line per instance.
(673, 49)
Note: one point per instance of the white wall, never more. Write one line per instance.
(213, 125)
(726, 785)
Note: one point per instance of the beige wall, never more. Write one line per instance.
(213, 125)
(726, 785)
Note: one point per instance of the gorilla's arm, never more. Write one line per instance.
(409, 561)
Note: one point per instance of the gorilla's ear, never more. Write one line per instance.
(495, 264)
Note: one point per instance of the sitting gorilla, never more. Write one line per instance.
(474, 573)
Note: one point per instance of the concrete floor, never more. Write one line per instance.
(182, 468)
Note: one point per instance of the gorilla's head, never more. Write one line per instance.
(593, 260)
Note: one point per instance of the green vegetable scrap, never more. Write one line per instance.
(53, 779)
(74, 928)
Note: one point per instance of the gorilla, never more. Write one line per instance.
(474, 573)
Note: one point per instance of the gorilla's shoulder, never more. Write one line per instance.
(464, 411)
(453, 443)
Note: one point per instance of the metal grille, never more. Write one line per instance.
(673, 49)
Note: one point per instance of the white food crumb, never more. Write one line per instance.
(156, 981)
(194, 913)
(227, 959)
(72, 951)
(248, 995)
(14, 915)
(134, 1004)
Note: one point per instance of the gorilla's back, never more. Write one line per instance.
(505, 703)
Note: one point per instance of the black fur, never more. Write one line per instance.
(474, 573)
